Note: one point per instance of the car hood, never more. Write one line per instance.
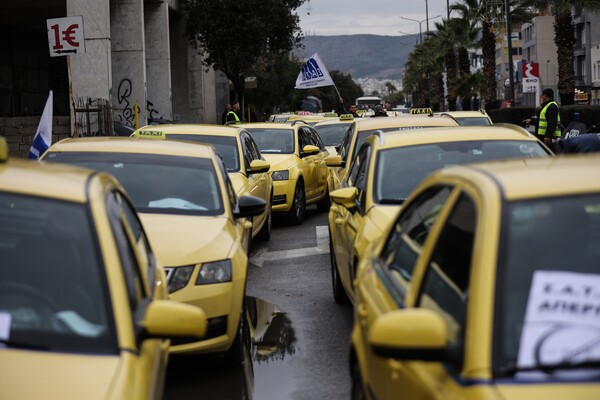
(41, 375)
(184, 239)
(383, 215)
(280, 162)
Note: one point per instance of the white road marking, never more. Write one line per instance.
(322, 247)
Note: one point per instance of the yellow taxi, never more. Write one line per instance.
(388, 167)
(195, 223)
(246, 167)
(486, 286)
(297, 157)
(83, 303)
(332, 131)
(469, 118)
(311, 118)
(362, 128)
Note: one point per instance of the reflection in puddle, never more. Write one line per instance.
(274, 337)
(263, 374)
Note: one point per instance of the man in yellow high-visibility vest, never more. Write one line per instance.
(548, 119)
(232, 115)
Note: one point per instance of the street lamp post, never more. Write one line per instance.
(420, 22)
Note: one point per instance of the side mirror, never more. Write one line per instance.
(249, 206)
(334, 161)
(346, 197)
(309, 150)
(411, 335)
(258, 166)
(171, 319)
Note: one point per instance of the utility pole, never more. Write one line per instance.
(510, 55)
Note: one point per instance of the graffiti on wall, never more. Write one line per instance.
(124, 100)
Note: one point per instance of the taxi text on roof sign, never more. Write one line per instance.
(346, 117)
(149, 134)
(421, 111)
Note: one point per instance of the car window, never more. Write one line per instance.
(358, 174)
(53, 291)
(226, 146)
(445, 286)
(274, 140)
(252, 146)
(346, 142)
(157, 183)
(303, 139)
(408, 236)
(314, 136)
(332, 134)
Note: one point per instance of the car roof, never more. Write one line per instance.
(274, 125)
(134, 145)
(57, 181)
(403, 121)
(195, 129)
(535, 177)
(335, 121)
(462, 114)
(444, 134)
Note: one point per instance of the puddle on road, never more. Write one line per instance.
(266, 374)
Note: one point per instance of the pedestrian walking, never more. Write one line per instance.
(548, 118)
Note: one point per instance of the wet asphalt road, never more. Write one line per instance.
(301, 346)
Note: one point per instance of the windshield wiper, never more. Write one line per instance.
(22, 345)
(511, 370)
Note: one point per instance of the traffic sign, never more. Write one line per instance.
(66, 36)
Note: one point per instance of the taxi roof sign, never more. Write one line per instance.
(149, 134)
(421, 111)
(346, 117)
(330, 114)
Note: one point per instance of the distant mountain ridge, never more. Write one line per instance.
(363, 56)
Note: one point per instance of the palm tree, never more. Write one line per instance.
(564, 38)
(484, 12)
(443, 41)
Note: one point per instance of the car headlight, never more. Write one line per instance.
(180, 277)
(280, 175)
(214, 272)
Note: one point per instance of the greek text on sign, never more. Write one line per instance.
(65, 36)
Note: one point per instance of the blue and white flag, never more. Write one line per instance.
(313, 74)
(43, 136)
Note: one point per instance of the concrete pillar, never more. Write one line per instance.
(202, 90)
(179, 71)
(158, 60)
(128, 61)
(90, 73)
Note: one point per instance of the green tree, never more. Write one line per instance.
(233, 34)
(391, 89)
(487, 14)
(564, 38)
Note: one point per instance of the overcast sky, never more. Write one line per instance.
(378, 17)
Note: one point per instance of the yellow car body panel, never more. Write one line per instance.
(188, 240)
(498, 191)
(129, 366)
(469, 118)
(245, 183)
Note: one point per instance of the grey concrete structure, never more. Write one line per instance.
(136, 53)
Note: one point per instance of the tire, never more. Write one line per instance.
(339, 294)
(298, 211)
(264, 235)
(358, 392)
(235, 355)
(324, 204)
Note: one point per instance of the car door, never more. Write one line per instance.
(322, 169)
(308, 164)
(257, 183)
(384, 286)
(349, 221)
(140, 274)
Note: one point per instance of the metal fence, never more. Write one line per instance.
(93, 117)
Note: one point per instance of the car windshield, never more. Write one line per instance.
(157, 183)
(548, 288)
(411, 164)
(52, 290)
(472, 121)
(273, 140)
(332, 134)
(226, 146)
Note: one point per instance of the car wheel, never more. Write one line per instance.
(298, 210)
(339, 294)
(358, 392)
(235, 355)
(265, 232)
(325, 202)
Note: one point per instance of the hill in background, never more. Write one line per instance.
(363, 56)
